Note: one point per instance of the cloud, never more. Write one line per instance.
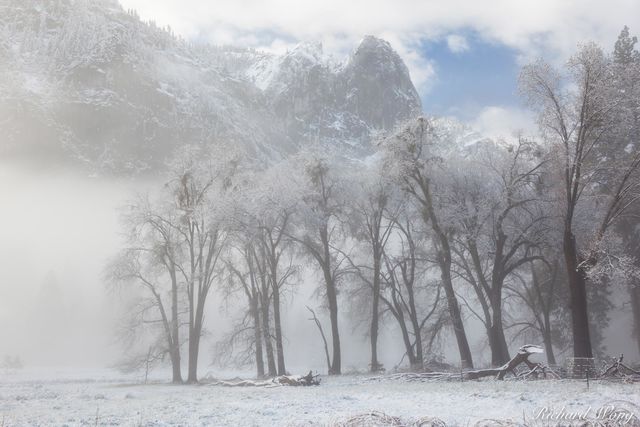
(548, 28)
(457, 43)
(542, 26)
(500, 122)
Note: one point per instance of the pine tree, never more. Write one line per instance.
(626, 76)
(624, 52)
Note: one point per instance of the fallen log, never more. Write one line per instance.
(305, 381)
(521, 357)
(535, 370)
(282, 380)
(620, 370)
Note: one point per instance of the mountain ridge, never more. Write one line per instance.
(88, 81)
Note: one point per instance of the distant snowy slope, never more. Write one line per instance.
(88, 81)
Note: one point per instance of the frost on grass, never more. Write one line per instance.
(67, 398)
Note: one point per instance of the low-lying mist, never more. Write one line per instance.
(58, 230)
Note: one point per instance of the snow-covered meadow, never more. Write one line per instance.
(89, 397)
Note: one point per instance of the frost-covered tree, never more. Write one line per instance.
(273, 208)
(318, 229)
(150, 260)
(369, 211)
(174, 246)
(409, 292)
(414, 156)
(579, 114)
(543, 299)
(626, 70)
(200, 185)
(499, 214)
(249, 333)
(264, 209)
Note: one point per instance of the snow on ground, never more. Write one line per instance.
(89, 397)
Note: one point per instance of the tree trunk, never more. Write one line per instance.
(375, 314)
(172, 343)
(493, 345)
(546, 304)
(266, 333)
(578, 298)
(408, 345)
(444, 261)
(500, 351)
(454, 311)
(634, 293)
(194, 342)
(418, 362)
(175, 367)
(336, 364)
(323, 336)
(417, 332)
(194, 346)
(175, 332)
(406, 339)
(548, 346)
(255, 312)
(278, 327)
(332, 299)
(498, 342)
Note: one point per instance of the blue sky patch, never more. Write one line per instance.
(465, 82)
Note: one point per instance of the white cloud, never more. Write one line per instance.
(524, 25)
(550, 28)
(499, 122)
(457, 43)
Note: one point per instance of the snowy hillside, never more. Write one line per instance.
(89, 81)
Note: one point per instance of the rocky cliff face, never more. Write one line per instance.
(86, 80)
(344, 103)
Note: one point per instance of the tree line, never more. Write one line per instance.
(526, 235)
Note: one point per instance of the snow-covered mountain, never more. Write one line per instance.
(89, 81)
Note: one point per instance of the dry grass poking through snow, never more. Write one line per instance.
(380, 419)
